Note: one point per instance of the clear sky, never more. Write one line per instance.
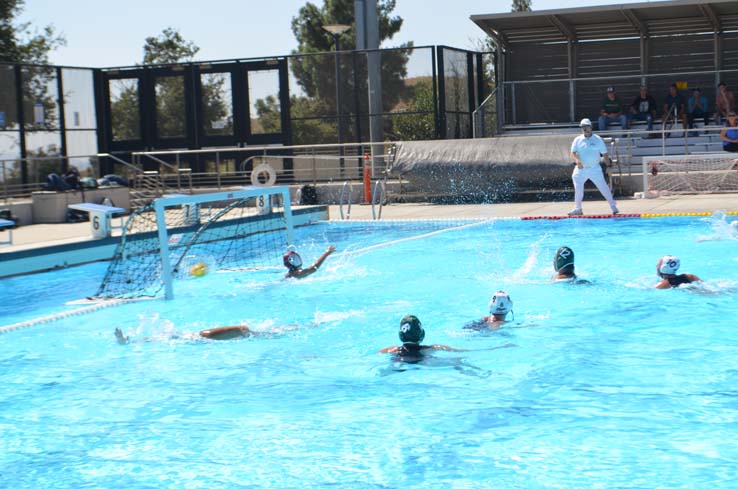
(103, 33)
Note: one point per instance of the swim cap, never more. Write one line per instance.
(410, 330)
(564, 258)
(292, 259)
(668, 264)
(501, 303)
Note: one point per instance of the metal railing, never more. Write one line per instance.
(307, 164)
(304, 164)
(485, 118)
(515, 113)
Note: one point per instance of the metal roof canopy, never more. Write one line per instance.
(616, 21)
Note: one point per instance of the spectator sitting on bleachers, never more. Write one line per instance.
(729, 134)
(696, 109)
(674, 107)
(643, 108)
(612, 111)
(724, 103)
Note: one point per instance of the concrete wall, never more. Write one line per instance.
(86, 250)
(51, 207)
(22, 210)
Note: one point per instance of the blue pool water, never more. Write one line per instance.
(608, 385)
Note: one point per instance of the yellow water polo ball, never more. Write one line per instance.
(198, 269)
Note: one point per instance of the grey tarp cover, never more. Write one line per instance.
(486, 169)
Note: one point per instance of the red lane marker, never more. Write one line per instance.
(592, 216)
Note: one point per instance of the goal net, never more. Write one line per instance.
(694, 173)
(179, 236)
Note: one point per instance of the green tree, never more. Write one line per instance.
(169, 47)
(18, 42)
(166, 48)
(409, 126)
(124, 110)
(268, 114)
(315, 73)
(521, 5)
(21, 43)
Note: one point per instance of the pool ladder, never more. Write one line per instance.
(344, 193)
(378, 188)
(378, 199)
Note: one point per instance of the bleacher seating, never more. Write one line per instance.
(633, 148)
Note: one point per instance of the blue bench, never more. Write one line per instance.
(4, 223)
(100, 216)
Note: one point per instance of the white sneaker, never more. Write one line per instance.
(575, 212)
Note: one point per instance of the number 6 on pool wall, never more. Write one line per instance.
(96, 222)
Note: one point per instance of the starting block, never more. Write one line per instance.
(100, 216)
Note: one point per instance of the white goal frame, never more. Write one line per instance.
(648, 161)
(264, 194)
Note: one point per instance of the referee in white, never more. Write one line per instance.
(585, 151)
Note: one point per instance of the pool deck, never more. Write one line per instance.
(682, 204)
(43, 235)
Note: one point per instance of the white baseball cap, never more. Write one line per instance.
(585, 122)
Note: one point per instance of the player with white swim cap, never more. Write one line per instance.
(667, 268)
(293, 262)
(499, 306)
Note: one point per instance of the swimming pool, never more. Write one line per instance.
(612, 384)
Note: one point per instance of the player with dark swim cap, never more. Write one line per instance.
(412, 334)
(499, 306)
(564, 266)
(411, 330)
(220, 333)
(667, 268)
(293, 262)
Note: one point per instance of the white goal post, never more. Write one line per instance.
(185, 236)
(692, 173)
(263, 196)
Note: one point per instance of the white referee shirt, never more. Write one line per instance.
(589, 149)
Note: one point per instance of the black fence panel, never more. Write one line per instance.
(50, 113)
